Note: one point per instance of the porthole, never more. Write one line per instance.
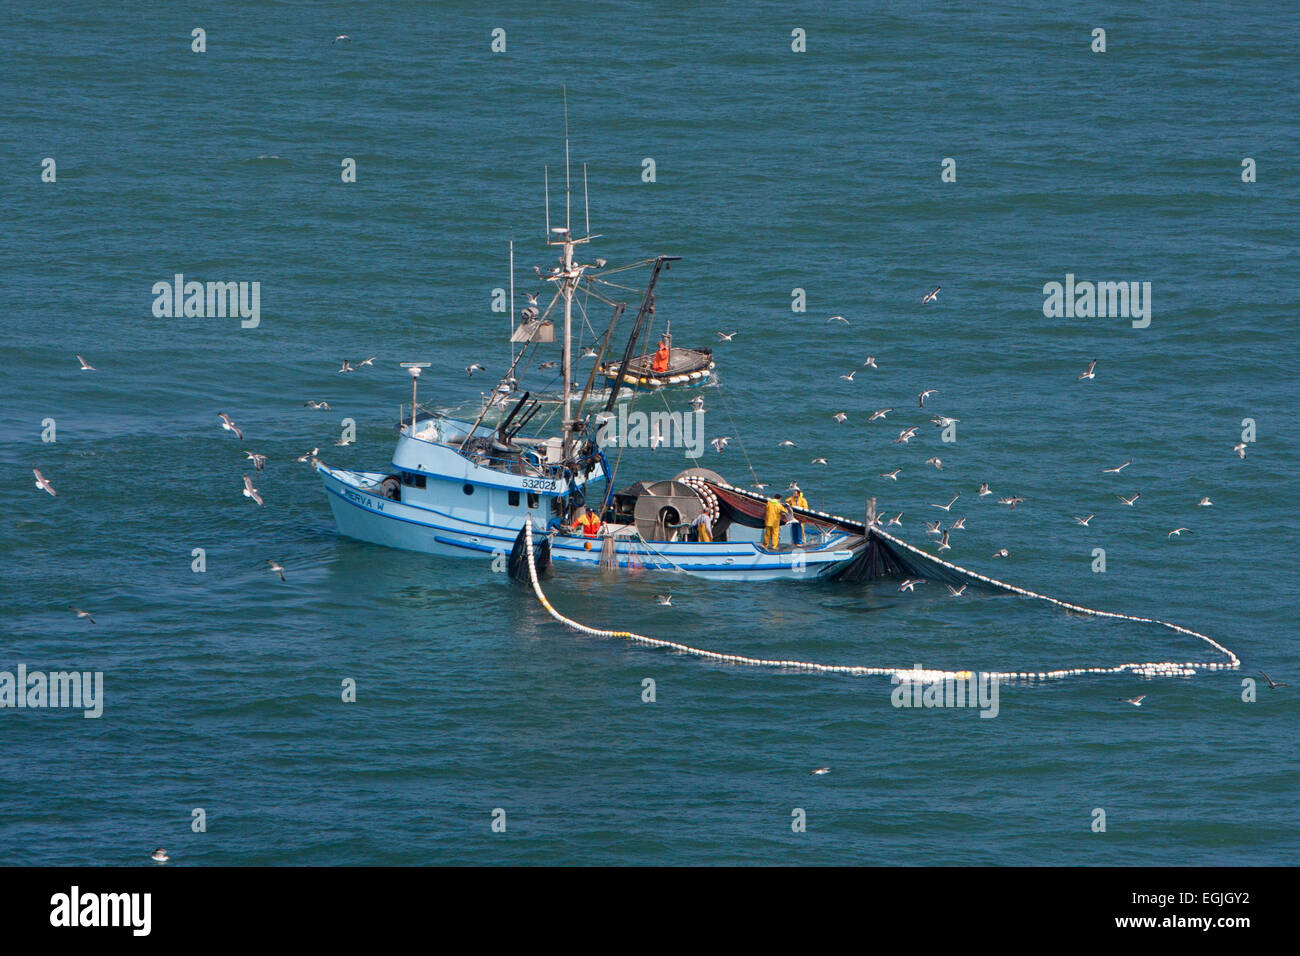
(468, 489)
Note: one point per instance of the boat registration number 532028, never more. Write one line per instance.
(541, 484)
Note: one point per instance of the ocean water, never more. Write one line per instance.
(775, 171)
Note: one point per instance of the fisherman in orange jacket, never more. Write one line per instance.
(660, 364)
(588, 523)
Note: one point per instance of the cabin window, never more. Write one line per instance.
(468, 488)
(514, 499)
(417, 481)
(532, 500)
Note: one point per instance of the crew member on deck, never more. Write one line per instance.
(660, 364)
(772, 523)
(796, 500)
(703, 526)
(588, 523)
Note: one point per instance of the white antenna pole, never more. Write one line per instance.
(586, 199)
(546, 179)
(566, 158)
(512, 302)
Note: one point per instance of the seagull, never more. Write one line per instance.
(936, 462)
(943, 421)
(1240, 449)
(932, 295)
(878, 413)
(601, 263)
(1179, 532)
(984, 489)
(1272, 684)
(910, 584)
(665, 599)
(926, 394)
(1135, 701)
(369, 361)
(891, 475)
(307, 456)
(229, 425)
(849, 377)
(80, 614)
(532, 298)
(838, 318)
(343, 442)
(724, 337)
(545, 365)
(347, 366)
(943, 544)
(656, 438)
(818, 461)
(276, 567)
(720, 443)
(86, 366)
(1117, 469)
(1089, 373)
(1001, 553)
(591, 353)
(820, 772)
(471, 369)
(787, 444)
(932, 527)
(760, 485)
(896, 520)
(1129, 501)
(251, 492)
(43, 483)
(160, 855)
(1205, 502)
(259, 461)
(1084, 521)
(1011, 502)
(341, 38)
(697, 403)
(956, 592)
(841, 417)
(959, 525)
(317, 406)
(948, 506)
(905, 436)
(870, 362)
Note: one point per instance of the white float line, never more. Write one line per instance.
(1149, 669)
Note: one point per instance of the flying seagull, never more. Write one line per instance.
(341, 38)
(1001, 553)
(1089, 373)
(307, 456)
(259, 461)
(43, 483)
(1084, 521)
(1240, 449)
(1135, 701)
(1011, 502)
(276, 567)
(471, 369)
(1205, 502)
(369, 361)
(1178, 532)
(820, 772)
(959, 525)
(948, 506)
(984, 489)
(932, 295)
(956, 592)
(787, 444)
(229, 425)
(1272, 684)
(720, 443)
(841, 417)
(870, 362)
(1129, 501)
(251, 492)
(896, 520)
(724, 337)
(943, 544)
(159, 855)
(905, 436)
(938, 463)
(1117, 469)
(818, 461)
(878, 413)
(317, 406)
(80, 614)
(838, 318)
(891, 475)
(926, 394)
(347, 366)
(849, 377)
(910, 584)
(665, 599)
(86, 366)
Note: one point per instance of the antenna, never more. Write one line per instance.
(567, 224)
(512, 302)
(414, 369)
(546, 179)
(586, 200)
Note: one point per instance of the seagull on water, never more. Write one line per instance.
(86, 366)
(1117, 469)
(891, 475)
(251, 492)
(926, 394)
(317, 406)
(1205, 502)
(159, 855)
(948, 506)
(80, 614)
(1089, 373)
(259, 461)
(229, 425)
(341, 38)
(932, 295)
(343, 442)
(1084, 521)
(1011, 502)
(820, 772)
(43, 483)
(1001, 553)
(878, 413)
(1272, 684)
(277, 567)
(1129, 501)
(936, 462)
(787, 444)
(546, 365)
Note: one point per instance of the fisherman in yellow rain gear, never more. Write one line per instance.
(796, 500)
(772, 523)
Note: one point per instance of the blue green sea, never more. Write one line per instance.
(985, 150)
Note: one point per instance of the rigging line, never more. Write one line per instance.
(739, 441)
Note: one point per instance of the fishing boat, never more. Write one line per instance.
(682, 368)
(463, 486)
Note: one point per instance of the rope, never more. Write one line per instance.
(1149, 669)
